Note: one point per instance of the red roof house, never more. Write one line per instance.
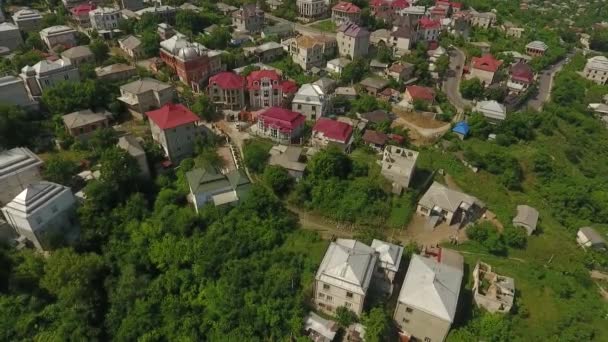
(375, 138)
(80, 14)
(280, 124)
(522, 72)
(227, 80)
(427, 23)
(486, 62)
(171, 116)
(414, 92)
(265, 89)
(254, 80)
(346, 7)
(328, 131)
(227, 90)
(289, 87)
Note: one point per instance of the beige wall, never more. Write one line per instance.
(597, 76)
(421, 324)
(338, 297)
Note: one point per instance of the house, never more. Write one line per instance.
(521, 76)
(381, 37)
(375, 139)
(390, 95)
(79, 55)
(131, 45)
(288, 157)
(309, 52)
(19, 167)
(376, 117)
(514, 32)
(387, 10)
(28, 20)
(337, 65)
(536, 48)
(281, 125)
(280, 30)
(461, 129)
(493, 111)
(189, 7)
(130, 144)
(482, 20)
(400, 71)
(84, 123)
(484, 68)
(398, 166)
(327, 85)
(44, 213)
(163, 13)
(14, 92)
(145, 94)
(319, 329)
(59, 35)
(461, 24)
(344, 12)
(353, 40)
(355, 333)
(227, 90)
(116, 72)
(389, 260)
(378, 68)
(374, 85)
(428, 29)
(492, 291)
(415, 93)
(249, 18)
(266, 52)
(192, 62)
(46, 74)
(265, 89)
(350, 93)
(10, 36)
(527, 218)
(207, 185)
(596, 69)
(165, 31)
(344, 276)
(402, 39)
(80, 14)
(328, 132)
(311, 9)
(176, 129)
(426, 307)
(588, 237)
(450, 205)
(225, 9)
(311, 101)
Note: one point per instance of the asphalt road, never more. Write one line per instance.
(451, 85)
(307, 30)
(545, 83)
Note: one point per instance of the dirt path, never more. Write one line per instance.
(322, 225)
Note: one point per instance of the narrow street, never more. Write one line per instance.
(545, 83)
(303, 29)
(451, 85)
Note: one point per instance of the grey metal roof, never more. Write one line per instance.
(83, 118)
(592, 235)
(77, 52)
(374, 82)
(16, 160)
(526, 216)
(130, 42)
(34, 196)
(438, 195)
(389, 254)
(130, 144)
(144, 85)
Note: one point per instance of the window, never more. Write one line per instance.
(409, 310)
(347, 304)
(329, 298)
(321, 295)
(299, 106)
(349, 294)
(325, 287)
(427, 339)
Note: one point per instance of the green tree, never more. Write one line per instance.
(99, 49)
(150, 43)
(255, 155)
(515, 236)
(118, 167)
(15, 126)
(205, 108)
(81, 96)
(278, 179)
(354, 71)
(329, 163)
(472, 89)
(60, 170)
(376, 324)
(189, 22)
(599, 40)
(345, 317)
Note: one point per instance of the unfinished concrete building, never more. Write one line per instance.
(492, 291)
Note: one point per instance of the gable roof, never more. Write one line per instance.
(377, 116)
(527, 216)
(537, 45)
(282, 118)
(433, 286)
(347, 7)
(228, 80)
(353, 30)
(375, 82)
(333, 129)
(597, 63)
(348, 264)
(17, 159)
(592, 235)
(310, 94)
(522, 72)
(144, 85)
(130, 144)
(428, 23)
(492, 109)
(130, 42)
(374, 137)
(389, 255)
(486, 62)
(258, 75)
(171, 116)
(82, 118)
(206, 179)
(438, 195)
(421, 93)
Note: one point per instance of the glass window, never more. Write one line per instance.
(325, 287)
(349, 294)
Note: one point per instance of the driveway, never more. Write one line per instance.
(451, 85)
(545, 83)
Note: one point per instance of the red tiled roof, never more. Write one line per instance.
(282, 118)
(421, 93)
(522, 72)
(487, 63)
(83, 9)
(456, 4)
(396, 137)
(377, 138)
(228, 80)
(289, 87)
(428, 23)
(395, 4)
(332, 129)
(171, 116)
(347, 7)
(257, 76)
(353, 30)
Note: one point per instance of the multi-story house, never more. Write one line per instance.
(59, 35)
(536, 48)
(71, 3)
(133, 5)
(192, 62)
(10, 36)
(327, 132)
(344, 276)
(387, 10)
(78, 55)
(345, 12)
(353, 40)
(45, 74)
(207, 185)
(13, 91)
(165, 31)
(116, 72)
(249, 18)
(146, 94)
(227, 90)
(398, 166)
(484, 68)
(163, 13)
(105, 20)
(428, 299)
(80, 14)
(84, 123)
(428, 29)
(483, 20)
(131, 45)
(521, 76)
(28, 20)
(312, 9)
(45, 214)
(389, 260)
(596, 69)
(265, 89)
(309, 52)
(311, 101)
(176, 129)
(130, 144)
(19, 167)
(280, 125)
(266, 52)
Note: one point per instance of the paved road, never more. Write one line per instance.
(545, 83)
(303, 29)
(451, 85)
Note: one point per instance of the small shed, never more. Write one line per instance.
(588, 237)
(527, 218)
(461, 129)
(320, 329)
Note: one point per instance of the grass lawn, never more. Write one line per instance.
(402, 210)
(309, 244)
(325, 25)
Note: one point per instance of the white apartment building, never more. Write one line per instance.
(310, 101)
(312, 9)
(596, 69)
(19, 167)
(146, 94)
(45, 74)
(389, 260)
(353, 40)
(105, 20)
(44, 213)
(59, 35)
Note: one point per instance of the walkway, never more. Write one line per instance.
(451, 85)
(545, 83)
